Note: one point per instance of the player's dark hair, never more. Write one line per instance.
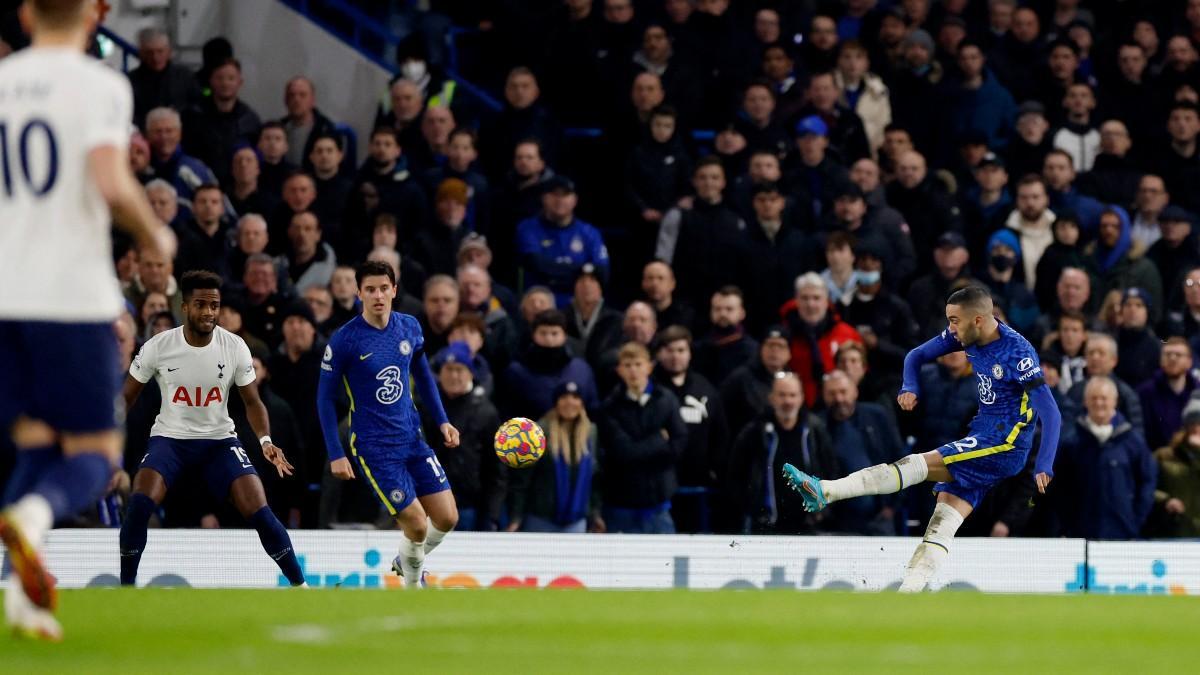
(374, 268)
(971, 297)
(197, 280)
(549, 317)
(58, 13)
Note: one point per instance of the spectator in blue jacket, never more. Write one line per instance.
(978, 102)
(1105, 473)
(164, 131)
(555, 245)
(1059, 172)
(530, 380)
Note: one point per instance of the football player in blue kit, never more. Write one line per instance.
(372, 358)
(1012, 397)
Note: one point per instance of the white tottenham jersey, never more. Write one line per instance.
(56, 106)
(194, 381)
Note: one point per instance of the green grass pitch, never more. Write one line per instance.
(521, 631)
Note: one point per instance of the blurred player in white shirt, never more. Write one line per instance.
(64, 137)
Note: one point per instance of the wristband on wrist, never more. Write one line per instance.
(264, 440)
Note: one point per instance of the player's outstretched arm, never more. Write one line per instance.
(260, 422)
(944, 343)
(109, 168)
(1041, 399)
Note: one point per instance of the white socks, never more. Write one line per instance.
(881, 479)
(434, 537)
(412, 558)
(933, 549)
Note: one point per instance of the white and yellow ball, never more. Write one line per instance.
(520, 442)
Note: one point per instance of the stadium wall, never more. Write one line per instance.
(362, 559)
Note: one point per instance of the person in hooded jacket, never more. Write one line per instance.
(1178, 250)
(1109, 261)
(1177, 499)
(1065, 252)
(1014, 299)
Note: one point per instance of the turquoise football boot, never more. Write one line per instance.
(808, 486)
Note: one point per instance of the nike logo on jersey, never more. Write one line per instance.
(364, 357)
(171, 370)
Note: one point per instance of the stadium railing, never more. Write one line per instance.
(128, 50)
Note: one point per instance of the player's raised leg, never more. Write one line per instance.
(251, 501)
(149, 490)
(881, 479)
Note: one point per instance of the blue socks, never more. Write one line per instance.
(74, 483)
(31, 465)
(133, 535)
(278, 544)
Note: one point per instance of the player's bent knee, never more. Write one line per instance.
(104, 443)
(936, 468)
(31, 433)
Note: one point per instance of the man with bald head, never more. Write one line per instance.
(500, 340)
(863, 435)
(158, 80)
(658, 289)
(1101, 359)
(1073, 293)
(303, 122)
(1114, 177)
(928, 209)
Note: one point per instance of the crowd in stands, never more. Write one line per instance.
(780, 199)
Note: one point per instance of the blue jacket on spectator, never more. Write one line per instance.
(184, 172)
(1086, 208)
(553, 255)
(989, 110)
(1105, 489)
(529, 386)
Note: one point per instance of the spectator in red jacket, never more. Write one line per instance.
(817, 332)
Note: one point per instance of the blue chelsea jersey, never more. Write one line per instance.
(1005, 370)
(374, 367)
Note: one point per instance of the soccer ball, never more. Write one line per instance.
(520, 442)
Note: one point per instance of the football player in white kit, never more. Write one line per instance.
(196, 365)
(64, 138)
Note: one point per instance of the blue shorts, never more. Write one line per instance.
(980, 460)
(398, 474)
(222, 461)
(64, 374)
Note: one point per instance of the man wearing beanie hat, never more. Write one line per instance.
(915, 88)
(1138, 348)
(1178, 250)
(1165, 395)
(476, 478)
(295, 371)
(1014, 299)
